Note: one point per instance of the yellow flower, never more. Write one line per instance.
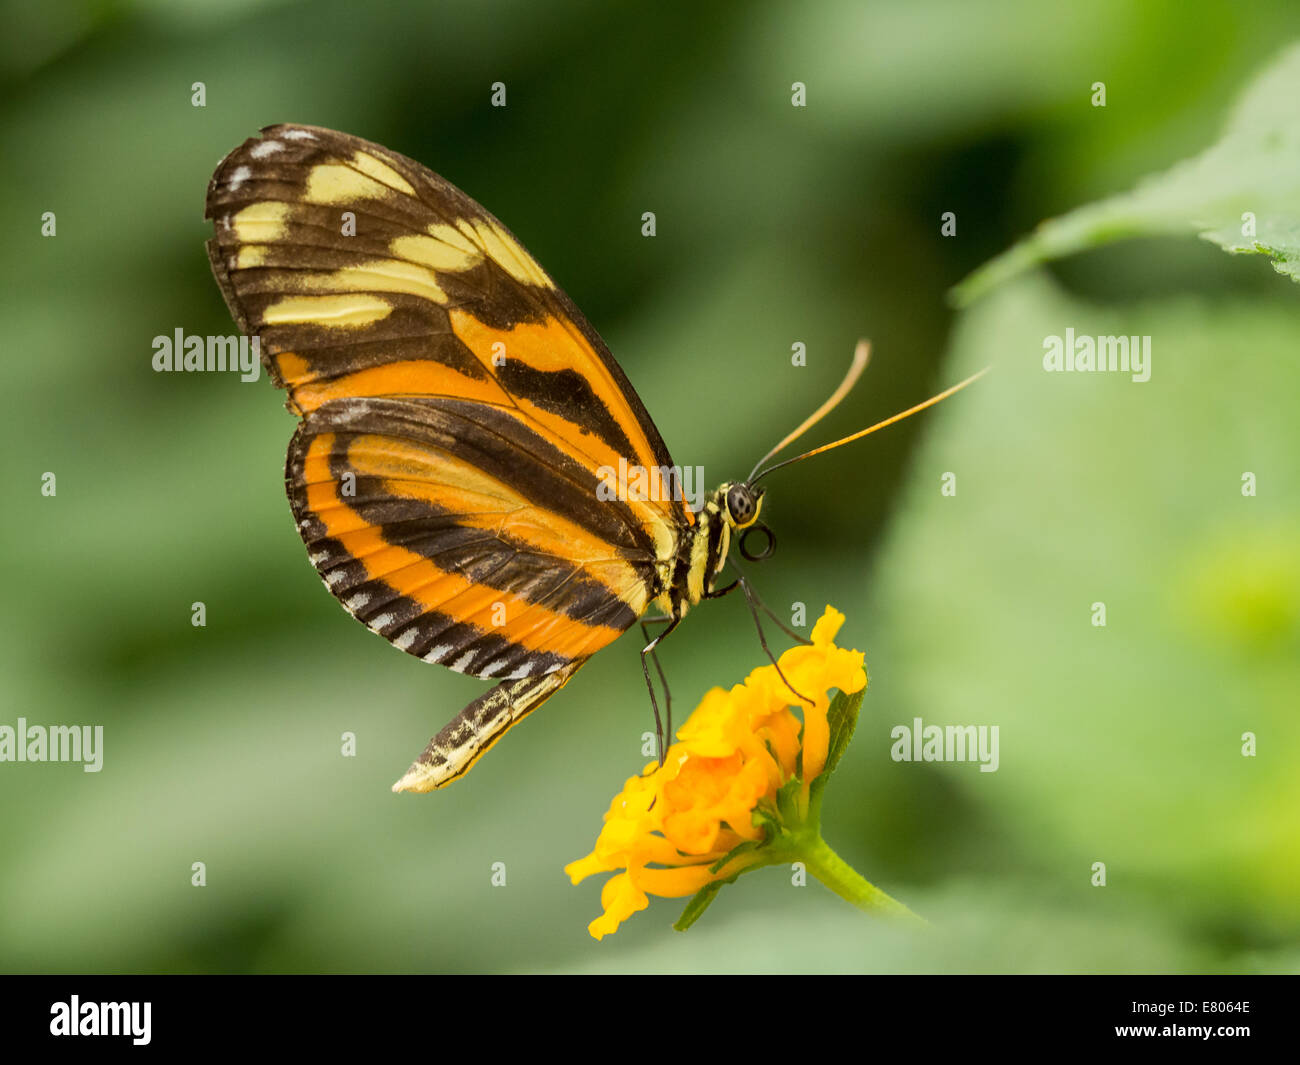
(669, 825)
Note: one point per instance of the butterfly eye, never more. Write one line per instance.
(740, 506)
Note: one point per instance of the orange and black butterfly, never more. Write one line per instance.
(460, 426)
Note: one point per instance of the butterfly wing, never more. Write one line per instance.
(459, 418)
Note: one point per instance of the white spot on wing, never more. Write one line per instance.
(264, 148)
(460, 663)
(238, 176)
(438, 653)
(405, 639)
(335, 577)
(381, 621)
(297, 135)
(357, 601)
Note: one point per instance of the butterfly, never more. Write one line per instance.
(468, 470)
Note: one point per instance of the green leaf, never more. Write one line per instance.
(740, 848)
(1243, 193)
(1091, 487)
(843, 719)
(766, 817)
(787, 801)
(699, 903)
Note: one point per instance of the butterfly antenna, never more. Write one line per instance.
(861, 356)
(848, 381)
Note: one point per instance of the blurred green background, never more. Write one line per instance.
(776, 225)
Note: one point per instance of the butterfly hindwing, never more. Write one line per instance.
(436, 525)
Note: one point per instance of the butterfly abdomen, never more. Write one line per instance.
(466, 738)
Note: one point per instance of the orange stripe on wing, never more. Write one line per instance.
(556, 345)
(552, 346)
(410, 574)
(480, 501)
(414, 377)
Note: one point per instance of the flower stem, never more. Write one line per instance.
(850, 885)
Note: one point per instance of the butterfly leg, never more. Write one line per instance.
(753, 596)
(666, 733)
(662, 736)
(752, 601)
